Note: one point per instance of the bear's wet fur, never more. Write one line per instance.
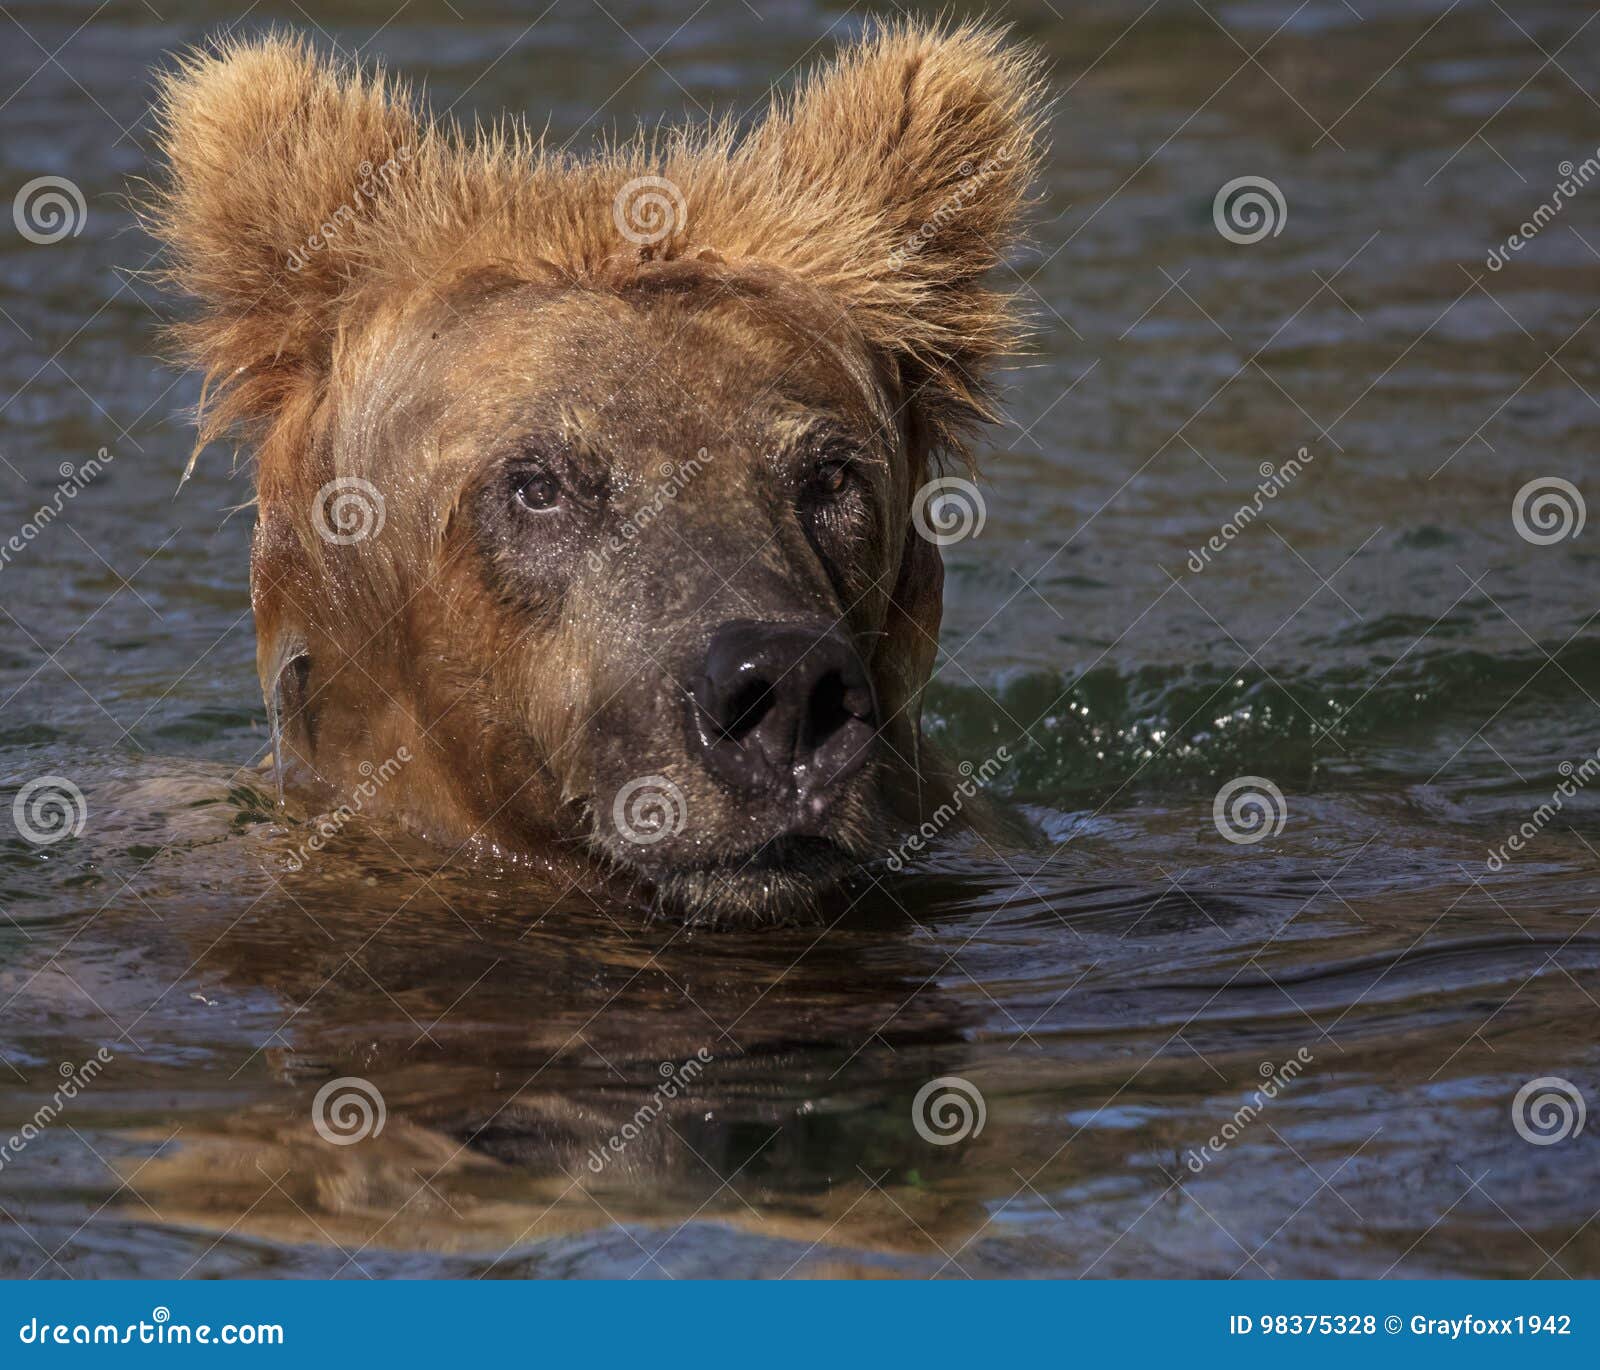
(530, 428)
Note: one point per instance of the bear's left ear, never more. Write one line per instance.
(896, 176)
(279, 163)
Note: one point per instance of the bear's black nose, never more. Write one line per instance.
(782, 707)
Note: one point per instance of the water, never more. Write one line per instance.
(1381, 644)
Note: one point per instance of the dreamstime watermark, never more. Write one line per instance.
(348, 1110)
(1573, 179)
(948, 1110)
(648, 210)
(49, 809)
(675, 1080)
(973, 180)
(159, 1330)
(74, 479)
(1249, 809)
(948, 510)
(48, 209)
(1249, 208)
(1274, 481)
(331, 824)
(74, 1078)
(1274, 1080)
(1548, 1110)
(675, 477)
(373, 181)
(1575, 776)
(348, 510)
(1548, 509)
(648, 809)
(974, 778)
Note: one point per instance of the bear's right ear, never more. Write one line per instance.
(896, 176)
(278, 164)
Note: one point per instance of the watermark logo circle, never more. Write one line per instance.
(1548, 509)
(48, 209)
(1248, 209)
(948, 510)
(348, 1110)
(648, 210)
(347, 510)
(49, 809)
(1548, 1110)
(649, 809)
(948, 1110)
(1249, 809)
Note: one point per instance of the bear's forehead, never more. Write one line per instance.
(653, 373)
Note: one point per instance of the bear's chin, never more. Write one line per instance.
(785, 883)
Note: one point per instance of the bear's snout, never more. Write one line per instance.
(782, 710)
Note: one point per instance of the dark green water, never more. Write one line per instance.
(1380, 644)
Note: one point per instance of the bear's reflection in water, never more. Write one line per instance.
(552, 1068)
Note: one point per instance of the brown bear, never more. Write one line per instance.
(587, 488)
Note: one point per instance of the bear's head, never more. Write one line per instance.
(589, 486)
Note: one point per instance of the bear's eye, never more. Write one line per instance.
(535, 489)
(830, 478)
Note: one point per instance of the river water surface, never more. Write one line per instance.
(1298, 1056)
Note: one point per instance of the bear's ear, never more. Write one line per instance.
(278, 164)
(898, 173)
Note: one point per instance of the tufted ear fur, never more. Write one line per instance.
(903, 168)
(280, 167)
